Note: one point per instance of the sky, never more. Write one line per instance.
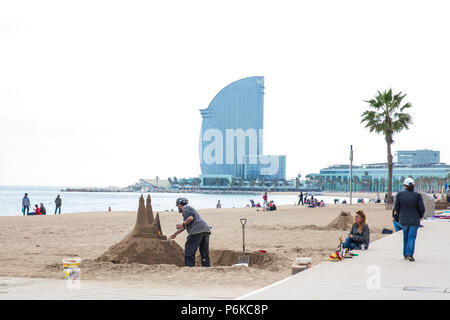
(102, 93)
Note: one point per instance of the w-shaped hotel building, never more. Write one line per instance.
(231, 138)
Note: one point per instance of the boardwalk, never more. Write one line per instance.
(378, 273)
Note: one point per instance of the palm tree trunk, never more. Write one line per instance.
(390, 170)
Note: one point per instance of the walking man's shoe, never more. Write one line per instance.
(411, 259)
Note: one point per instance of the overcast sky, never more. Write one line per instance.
(99, 93)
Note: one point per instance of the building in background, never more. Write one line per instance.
(417, 157)
(231, 137)
(423, 166)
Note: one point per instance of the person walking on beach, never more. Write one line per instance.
(58, 202)
(410, 208)
(26, 204)
(218, 205)
(198, 234)
(265, 197)
(300, 198)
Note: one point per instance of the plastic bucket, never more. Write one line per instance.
(71, 268)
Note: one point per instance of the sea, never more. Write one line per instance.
(11, 200)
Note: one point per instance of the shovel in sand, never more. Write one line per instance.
(244, 259)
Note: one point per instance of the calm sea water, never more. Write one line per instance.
(11, 200)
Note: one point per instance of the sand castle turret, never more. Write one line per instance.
(146, 242)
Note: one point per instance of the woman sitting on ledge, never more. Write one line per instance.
(359, 236)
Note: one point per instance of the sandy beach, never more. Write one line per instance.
(33, 246)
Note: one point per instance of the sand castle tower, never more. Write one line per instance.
(146, 242)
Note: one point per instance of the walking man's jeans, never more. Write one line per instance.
(193, 242)
(27, 208)
(56, 209)
(397, 226)
(409, 240)
(350, 245)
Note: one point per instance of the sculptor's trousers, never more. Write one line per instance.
(193, 242)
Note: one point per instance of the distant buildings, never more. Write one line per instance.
(422, 165)
(231, 138)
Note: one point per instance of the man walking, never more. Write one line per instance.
(198, 231)
(410, 208)
(300, 198)
(26, 204)
(58, 204)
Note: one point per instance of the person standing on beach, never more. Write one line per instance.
(265, 197)
(58, 202)
(198, 234)
(25, 204)
(43, 210)
(300, 198)
(410, 208)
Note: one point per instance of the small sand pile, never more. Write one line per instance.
(441, 204)
(230, 257)
(145, 243)
(344, 221)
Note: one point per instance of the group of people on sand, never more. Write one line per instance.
(408, 211)
(38, 210)
(310, 202)
(267, 205)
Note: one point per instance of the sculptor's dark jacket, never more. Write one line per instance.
(360, 238)
(410, 207)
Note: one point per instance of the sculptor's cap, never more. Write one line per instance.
(182, 201)
(408, 181)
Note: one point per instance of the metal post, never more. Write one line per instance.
(351, 172)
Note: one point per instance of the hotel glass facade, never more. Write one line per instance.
(231, 144)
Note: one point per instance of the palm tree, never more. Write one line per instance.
(240, 183)
(386, 116)
(297, 182)
(275, 183)
(252, 183)
(383, 183)
(218, 182)
(263, 183)
(376, 183)
(226, 182)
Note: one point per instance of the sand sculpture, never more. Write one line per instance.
(344, 221)
(146, 242)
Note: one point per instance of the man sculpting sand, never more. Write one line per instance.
(198, 231)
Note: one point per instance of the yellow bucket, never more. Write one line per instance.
(71, 268)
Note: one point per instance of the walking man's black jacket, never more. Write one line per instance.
(410, 207)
